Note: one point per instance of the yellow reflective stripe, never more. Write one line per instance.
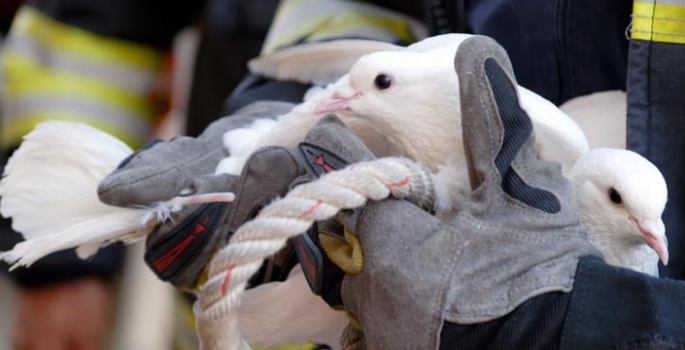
(358, 20)
(13, 132)
(25, 76)
(313, 29)
(59, 36)
(658, 22)
(127, 77)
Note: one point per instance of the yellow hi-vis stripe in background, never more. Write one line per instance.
(60, 36)
(53, 71)
(659, 21)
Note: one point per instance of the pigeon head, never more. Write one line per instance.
(406, 96)
(620, 197)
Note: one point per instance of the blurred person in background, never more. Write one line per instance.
(103, 64)
(95, 63)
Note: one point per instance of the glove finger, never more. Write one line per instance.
(334, 136)
(160, 172)
(214, 183)
(498, 134)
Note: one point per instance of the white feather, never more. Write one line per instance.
(557, 136)
(241, 143)
(50, 191)
(287, 312)
(602, 116)
(452, 187)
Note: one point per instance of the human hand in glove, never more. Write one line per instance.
(180, 248)
(512, 269)
(515, 238)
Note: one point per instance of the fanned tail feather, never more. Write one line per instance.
(50, 191)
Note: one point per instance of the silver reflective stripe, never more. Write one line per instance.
(131, 78)
(668, 2)
(137, 126)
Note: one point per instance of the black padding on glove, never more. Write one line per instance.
(323, 276)
(536, 324)
(517, 130)
(173, 254)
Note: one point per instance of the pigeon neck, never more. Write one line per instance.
(431, 143)
(638, 257)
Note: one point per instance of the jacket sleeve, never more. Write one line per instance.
(656, 106)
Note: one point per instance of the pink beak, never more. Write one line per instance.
(335, 104)
(653, 233)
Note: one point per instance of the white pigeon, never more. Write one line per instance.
(628, 227)
(400, 103)
(620, 197)
(602, 116)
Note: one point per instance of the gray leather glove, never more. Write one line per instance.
(161, 170)
(180, 248)
(515, 238)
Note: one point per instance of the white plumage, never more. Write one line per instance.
(50, 192)
(418, 116)
(620, 197)
(631, 234)
(279, 312)
(54, 211)
(602, 116)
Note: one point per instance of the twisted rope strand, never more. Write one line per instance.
(256, 240)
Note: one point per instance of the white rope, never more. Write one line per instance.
(290, 216)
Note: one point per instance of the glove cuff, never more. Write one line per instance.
(182, 253)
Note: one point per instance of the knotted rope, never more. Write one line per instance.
(290, 216)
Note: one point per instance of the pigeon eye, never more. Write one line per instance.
(383, 81)
(615, 196)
